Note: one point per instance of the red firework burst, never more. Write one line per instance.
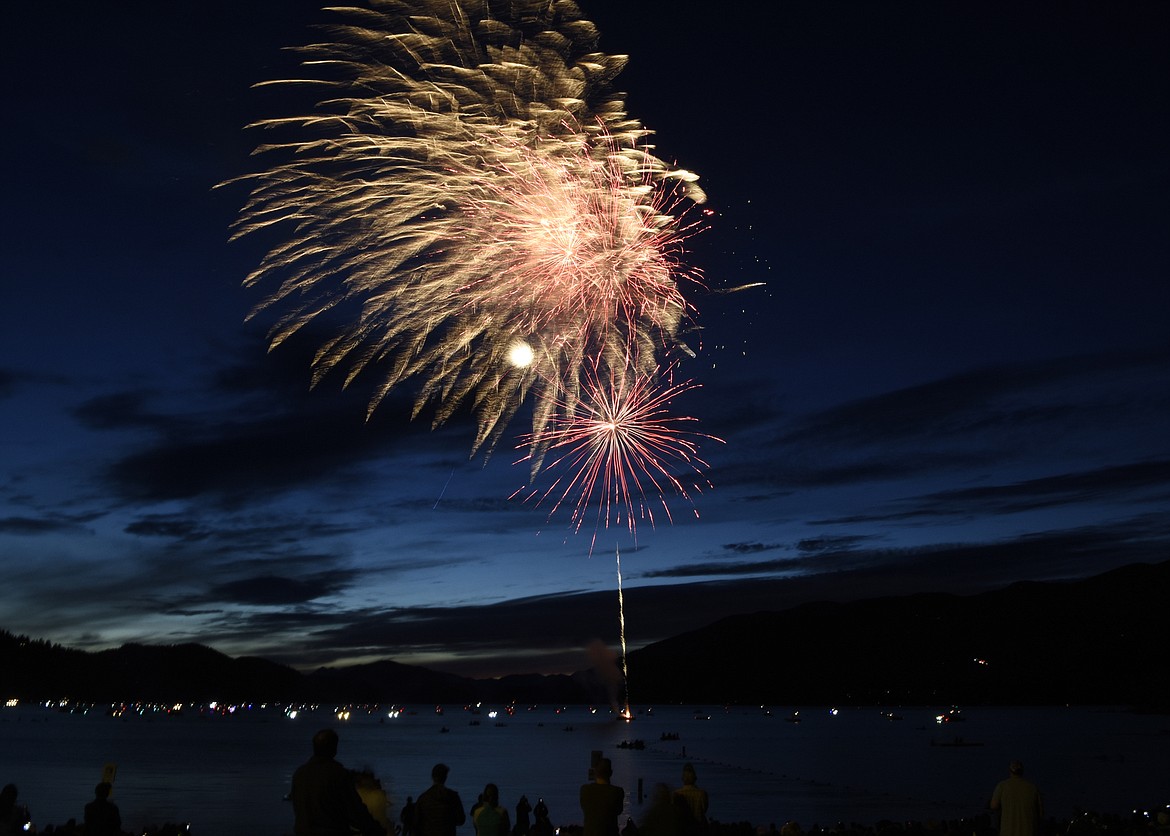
(620, 450)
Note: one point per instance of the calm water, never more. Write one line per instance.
(229, 775)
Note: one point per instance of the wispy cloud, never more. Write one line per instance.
(38, 525)
(990, 402)
(1132, 485)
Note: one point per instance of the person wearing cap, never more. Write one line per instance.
(1017, 801)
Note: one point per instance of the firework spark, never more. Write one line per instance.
(626, 714)
(473, 185)
(619, 450)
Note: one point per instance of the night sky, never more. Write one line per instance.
(956, 376)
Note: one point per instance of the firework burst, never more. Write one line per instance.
(619, 450)
(472, 183)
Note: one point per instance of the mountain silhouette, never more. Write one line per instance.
(1097, 641)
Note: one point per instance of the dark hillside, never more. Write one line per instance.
(1095, 641)
(1101, 640)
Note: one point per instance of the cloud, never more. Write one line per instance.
(1008, 418)
(15, 381)
(238, 461)
(122, 410)
(175, 529)
(796, 559)
(1115, 484)
(465, 505)
(275, 590)
(541, 629)
(994, 399)
(247, 535)
(35, 525)
(723, 569)
(257, 429)
(751, 548)
(1133, 485)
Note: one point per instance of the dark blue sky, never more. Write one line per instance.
(957, 374)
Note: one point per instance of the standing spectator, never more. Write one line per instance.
(694, 798)
(602, 802)
(542, 827)
(13, 816)
(1017, 800)
(325, 799)
(439, 810)
(101, 815)
(491, 819)
(407, 817)
(523, 808)
(541, 824)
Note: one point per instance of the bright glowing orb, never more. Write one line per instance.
(521, 355)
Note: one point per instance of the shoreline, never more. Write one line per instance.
(852, 772)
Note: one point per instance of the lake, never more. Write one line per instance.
(229, 774)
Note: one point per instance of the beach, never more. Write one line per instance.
(229, 773)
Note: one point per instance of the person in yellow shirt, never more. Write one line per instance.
(693, 797)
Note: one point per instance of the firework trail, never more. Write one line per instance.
(471, 187)
(625, 712)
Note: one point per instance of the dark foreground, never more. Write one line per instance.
(1151, 822)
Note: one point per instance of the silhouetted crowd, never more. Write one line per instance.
(327, 798)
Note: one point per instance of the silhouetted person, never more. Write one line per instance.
(523, 822)
(602, 802)
(1017, 800)
(13, 816)
(541, 826)
(439, 810)
(695, 800)
(491, 819)
(325, 800)
(541, 809)
(101, 815)
(407, 817)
